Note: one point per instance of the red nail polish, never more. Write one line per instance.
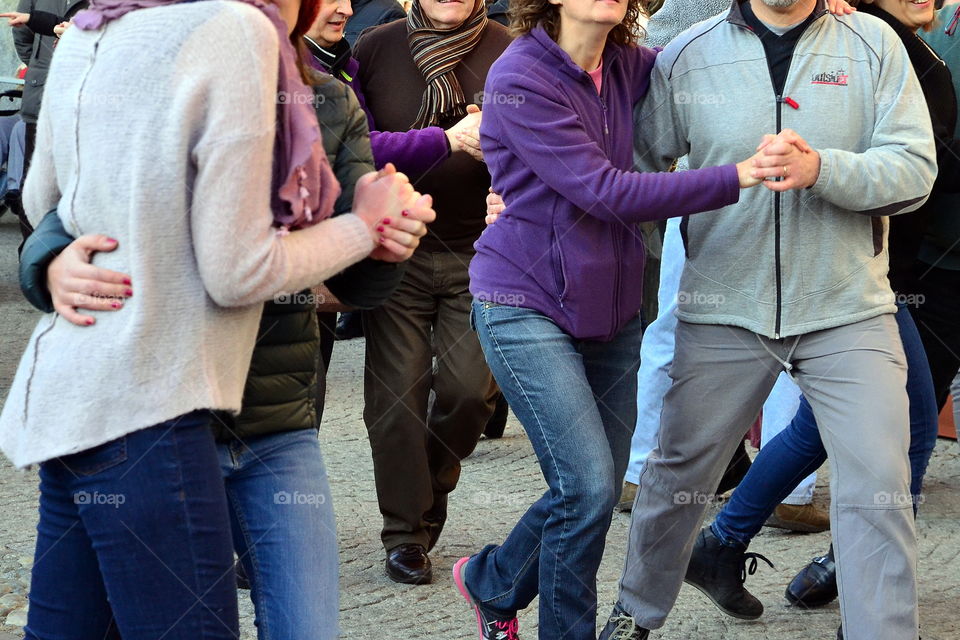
(382, 240)
(405, 213)
(128, 292)
(127, 281)
(386, 221)
(89, 321)
(380, 228)
(112, 240)
(115, 305)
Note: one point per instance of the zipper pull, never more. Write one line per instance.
(603, 105)
(793, 103)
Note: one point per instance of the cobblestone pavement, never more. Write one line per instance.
(499, 481)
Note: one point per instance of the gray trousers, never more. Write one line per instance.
(855, 379)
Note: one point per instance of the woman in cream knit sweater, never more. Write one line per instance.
(176, 147)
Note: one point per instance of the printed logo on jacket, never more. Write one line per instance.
(835, 78)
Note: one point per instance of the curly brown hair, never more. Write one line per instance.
(525, 15)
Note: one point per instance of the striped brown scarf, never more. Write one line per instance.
(437, 52)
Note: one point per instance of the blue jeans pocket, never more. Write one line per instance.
(479, 306)
(97, 459)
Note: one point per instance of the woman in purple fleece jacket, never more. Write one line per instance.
(556, 283)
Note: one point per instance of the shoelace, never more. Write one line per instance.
(626, 627)
(748, 567)
(507, 629)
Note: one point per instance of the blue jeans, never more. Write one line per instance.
(576, 400)
(134, 541)
(798, 450)
(284, 532)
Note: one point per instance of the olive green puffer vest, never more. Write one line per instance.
(281, 390)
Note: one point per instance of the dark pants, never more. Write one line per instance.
(30, 142)
(134, 541)
(417, 445)
(30, 139)
(937, 314)
(328, 323)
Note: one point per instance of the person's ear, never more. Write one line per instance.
(556, 2)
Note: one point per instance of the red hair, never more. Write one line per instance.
(306, 16)
(309, 10)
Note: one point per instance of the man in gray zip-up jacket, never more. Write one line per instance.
(787, 279)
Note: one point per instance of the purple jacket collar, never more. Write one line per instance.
(571, 68)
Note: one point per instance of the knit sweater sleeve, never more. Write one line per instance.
(242, 259)
(41, 190)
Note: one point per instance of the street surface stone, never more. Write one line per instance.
(499, 481)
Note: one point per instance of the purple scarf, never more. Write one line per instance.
(305, 187)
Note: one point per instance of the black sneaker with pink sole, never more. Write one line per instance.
(490, 627)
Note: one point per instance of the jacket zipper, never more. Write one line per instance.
(613, 231)
(603, 108)
(776, 234)
(615, 313)
(780, 100)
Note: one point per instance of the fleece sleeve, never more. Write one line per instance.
(413, 152)
(659, 134)
(546, 133)
(895, 175)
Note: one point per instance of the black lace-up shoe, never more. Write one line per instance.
(409, 564)
(816, 584)
(490, 627)
(719, 571)
(622, 626)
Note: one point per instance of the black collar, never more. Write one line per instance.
(334, 58)
(736, 13)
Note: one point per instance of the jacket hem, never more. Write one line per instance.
(788, 330)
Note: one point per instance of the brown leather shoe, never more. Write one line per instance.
(409, 564)
(627, 496)
(804, 518)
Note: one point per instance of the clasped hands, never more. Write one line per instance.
(385, 200)
(396, 214)
(782, 162)
(786, 156)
